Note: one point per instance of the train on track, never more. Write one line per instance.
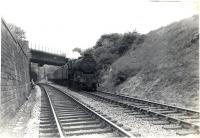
(79, 73)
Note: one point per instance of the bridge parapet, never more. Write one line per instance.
(43, 57)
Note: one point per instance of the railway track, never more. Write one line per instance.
(62, 116)
(182, 120)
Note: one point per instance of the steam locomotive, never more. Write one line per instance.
(79, 74)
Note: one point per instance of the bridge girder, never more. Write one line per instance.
(42, 58)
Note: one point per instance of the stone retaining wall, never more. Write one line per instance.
(15, 80)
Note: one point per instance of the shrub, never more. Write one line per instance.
(122, 73)
(109, 48)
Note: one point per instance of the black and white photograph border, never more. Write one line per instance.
(99, 68)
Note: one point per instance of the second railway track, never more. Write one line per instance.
(184, 121)
(64, 116)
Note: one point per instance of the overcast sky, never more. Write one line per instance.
(65, 24)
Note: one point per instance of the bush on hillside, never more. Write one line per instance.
(109, 48)
(127, 40)
(112, 46)
(122, 73)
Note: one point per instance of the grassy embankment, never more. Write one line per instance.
(161, 66)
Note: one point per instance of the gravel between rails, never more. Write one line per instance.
(139, 127)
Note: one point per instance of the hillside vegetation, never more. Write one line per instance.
(112, 46)
(161, 66)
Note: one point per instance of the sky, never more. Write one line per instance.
(61, 25)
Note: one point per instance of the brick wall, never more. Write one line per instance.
(15, 82)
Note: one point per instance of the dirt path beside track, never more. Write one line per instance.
(26, 121)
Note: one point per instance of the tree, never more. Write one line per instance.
(20, 35)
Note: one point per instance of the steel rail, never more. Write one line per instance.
(153, 103)
(161, 116)
(125, 133)
(110, 123)
(54, 114)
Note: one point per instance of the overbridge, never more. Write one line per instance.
(43, 57)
